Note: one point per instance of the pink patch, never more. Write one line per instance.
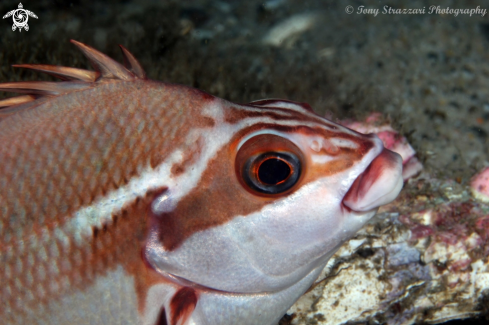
(374, 117)
(392, 140)
(448, 238)
(421, 231)
(480, 185)
(389, 138)
(460, 265)
(482, 227)
(405, 220)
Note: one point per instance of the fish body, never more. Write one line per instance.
(130, 201)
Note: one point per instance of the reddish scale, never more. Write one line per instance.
(73, 181)
(119, 242)
(212, 202)
(190, 156)
(76, 169)
(234, 115)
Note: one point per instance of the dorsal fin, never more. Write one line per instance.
(46, 88)
(64, 73)
(132, 63)
(107, 67)
(20, 106)
(16, 100)
(78, 79)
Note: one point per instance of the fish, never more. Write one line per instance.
(125, 200)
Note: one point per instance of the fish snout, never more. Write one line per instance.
(378, 184)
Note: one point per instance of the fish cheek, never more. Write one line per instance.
(217, 198)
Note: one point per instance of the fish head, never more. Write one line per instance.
(277, 195)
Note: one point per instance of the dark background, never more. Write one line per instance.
(427, 74)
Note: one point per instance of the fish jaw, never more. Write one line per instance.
(300, 231)
(217, 307)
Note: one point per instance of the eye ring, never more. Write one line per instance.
(272, 172)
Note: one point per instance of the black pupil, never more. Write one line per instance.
(273, 171)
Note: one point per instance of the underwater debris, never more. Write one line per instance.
(480, 185)
(289, 28)
(392, 140)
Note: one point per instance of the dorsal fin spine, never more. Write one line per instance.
(132, 63)
(63, 73)
(107, 67)
(77, 79)
(46, 88)
(16, 100)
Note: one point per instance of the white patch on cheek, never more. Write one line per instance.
(321, 159)
(343, 143)
(316, 145)
(323, 150)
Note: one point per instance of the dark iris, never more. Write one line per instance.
(273, 171)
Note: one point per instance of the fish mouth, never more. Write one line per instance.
(378, 184)
(183, 282)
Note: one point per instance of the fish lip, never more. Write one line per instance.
(383, 175)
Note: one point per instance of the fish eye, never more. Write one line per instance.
(268, 164)
(272, 172)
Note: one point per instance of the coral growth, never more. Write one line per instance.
(480, 185)
(392, 140)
